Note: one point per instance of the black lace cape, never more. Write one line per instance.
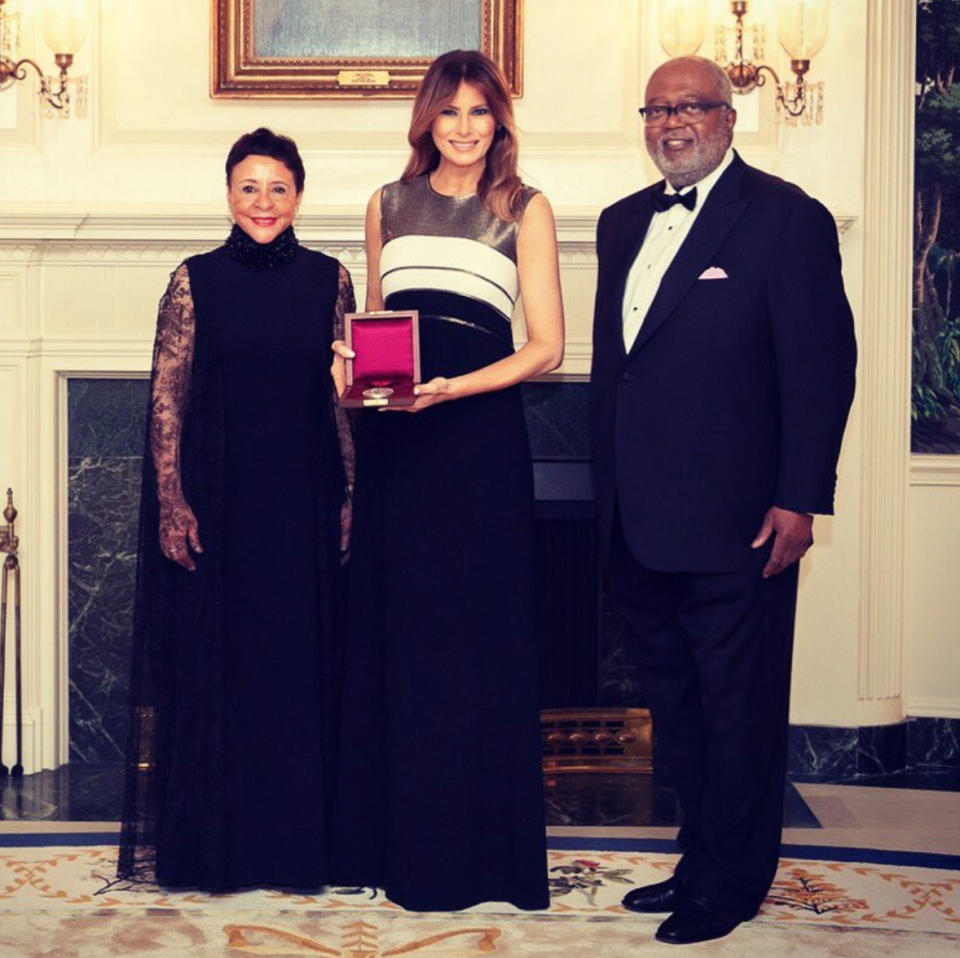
(174, 778)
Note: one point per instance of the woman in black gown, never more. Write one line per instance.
(440, 791)
(237, 609)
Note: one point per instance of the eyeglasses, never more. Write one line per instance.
(685, 112)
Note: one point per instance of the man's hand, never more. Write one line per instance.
(794, 535)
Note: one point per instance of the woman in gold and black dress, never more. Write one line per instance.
(440, 798)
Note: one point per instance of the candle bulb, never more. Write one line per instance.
(802, 27)
(65, 24)
(682, 26)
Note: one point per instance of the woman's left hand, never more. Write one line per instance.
(428, 394)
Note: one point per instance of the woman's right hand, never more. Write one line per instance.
(179, 533)
(338, 368)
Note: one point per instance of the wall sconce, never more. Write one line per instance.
(801, 29)
(64, 24)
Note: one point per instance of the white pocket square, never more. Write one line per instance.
(714, 272)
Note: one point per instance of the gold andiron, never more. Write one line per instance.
(11, 569)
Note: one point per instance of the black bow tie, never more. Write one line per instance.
(662, 201)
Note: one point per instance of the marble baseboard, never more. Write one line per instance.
(934, 742)
(823, 753)
(882, 749)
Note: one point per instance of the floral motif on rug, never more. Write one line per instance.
(585, 877)
(823, 889)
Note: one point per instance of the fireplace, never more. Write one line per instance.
(589, 684)
(582, 730)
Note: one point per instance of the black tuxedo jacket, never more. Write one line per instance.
(735, 394)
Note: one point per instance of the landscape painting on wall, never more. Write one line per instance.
(935, 399)
(353, 48)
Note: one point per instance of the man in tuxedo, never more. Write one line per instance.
(723, 371)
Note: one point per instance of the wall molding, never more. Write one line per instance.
(933, 708)
(576, 226)
(934, 470)
(76, 237)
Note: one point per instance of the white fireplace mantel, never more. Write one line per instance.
(78, 294)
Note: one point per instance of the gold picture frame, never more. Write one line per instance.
(272, 49)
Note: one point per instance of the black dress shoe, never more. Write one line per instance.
(663, 896)
(696, 920)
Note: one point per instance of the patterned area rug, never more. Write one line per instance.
(57, 902)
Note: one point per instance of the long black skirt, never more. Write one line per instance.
(439, 798)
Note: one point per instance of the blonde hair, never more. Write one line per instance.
(500, 187)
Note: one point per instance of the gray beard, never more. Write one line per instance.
(707, 156)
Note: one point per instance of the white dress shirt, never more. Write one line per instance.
(665, 235)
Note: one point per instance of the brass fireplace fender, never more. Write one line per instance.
(597, 740)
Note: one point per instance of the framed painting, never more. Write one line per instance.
(353, 48)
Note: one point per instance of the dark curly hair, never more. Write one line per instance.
(264, 142)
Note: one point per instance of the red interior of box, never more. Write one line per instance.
(384, 350)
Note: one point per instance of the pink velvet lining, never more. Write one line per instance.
(384, 349)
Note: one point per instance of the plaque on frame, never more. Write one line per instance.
(386, 366)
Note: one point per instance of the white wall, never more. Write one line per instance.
(94, 213)
(933, 568)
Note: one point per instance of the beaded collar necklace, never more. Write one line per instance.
(281, 250)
